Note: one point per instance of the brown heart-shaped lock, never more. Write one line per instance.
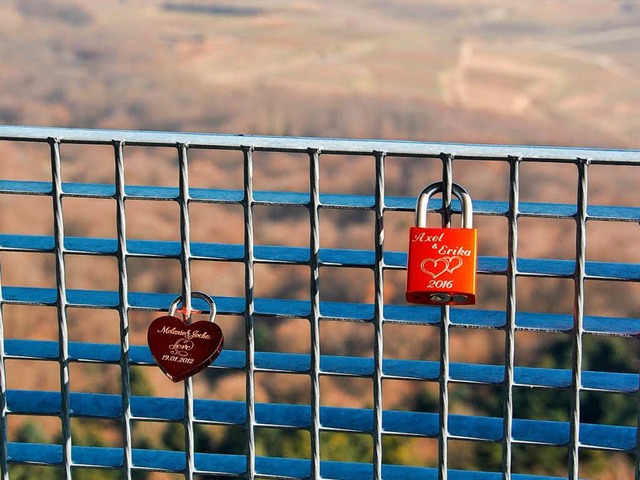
(180, 349)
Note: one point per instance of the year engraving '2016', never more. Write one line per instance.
(440, 284)
(177, 359)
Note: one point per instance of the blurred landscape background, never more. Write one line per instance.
(474, 71)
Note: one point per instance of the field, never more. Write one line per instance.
(518, 74)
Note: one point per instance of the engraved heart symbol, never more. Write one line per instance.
(183, 350)
(431, 266)
(454, 263)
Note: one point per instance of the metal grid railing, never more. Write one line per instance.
(507, 431)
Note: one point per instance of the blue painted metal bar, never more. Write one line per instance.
(542, 322)
(293, 199)
(233, 465)
(423, 424)
(611, 382)
(552, 268)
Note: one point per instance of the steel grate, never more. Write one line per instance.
(509, 431)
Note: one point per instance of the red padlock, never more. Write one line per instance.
(441, 265)
(180, 349)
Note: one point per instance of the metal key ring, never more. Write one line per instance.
(203, 296)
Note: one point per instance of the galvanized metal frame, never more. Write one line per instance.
(444, 427)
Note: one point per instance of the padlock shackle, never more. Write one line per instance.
(438, 187)
(203, 296)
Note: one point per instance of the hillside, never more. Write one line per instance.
(466, 71)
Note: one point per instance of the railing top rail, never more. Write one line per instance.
(325, 145)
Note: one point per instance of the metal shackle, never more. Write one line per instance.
(203, 296)
(438, 187)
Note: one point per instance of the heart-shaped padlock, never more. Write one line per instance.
(180, 349)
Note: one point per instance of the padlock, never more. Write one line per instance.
(180, 349)
(441, 265)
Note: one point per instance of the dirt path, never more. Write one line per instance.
(483, 79)
(576, 47)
